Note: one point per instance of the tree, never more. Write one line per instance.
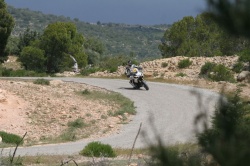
(60, 40)
(6, 26)
(33, 58)
(233, 15)
(26, 38)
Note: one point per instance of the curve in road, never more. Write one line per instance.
(166, 111)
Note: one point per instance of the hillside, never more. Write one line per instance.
(118, 39)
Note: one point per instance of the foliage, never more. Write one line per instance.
(216, 72)
(41, 81)
(231, 15)
(244, 56)
(26, 39)
(6, 26)
(200, 36)
(184, 63)
(229, 138)
(164, 64)
(10, 138)
(221, 73)
(238, 67)
(207, 68)
(78, 123)
(59, 40)
(33, 58)
(125, 104)
(98, 149)
(19, 73)
(12, 46)
(180, 75)
(88, 70)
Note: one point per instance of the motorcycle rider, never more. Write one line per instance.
(130, 71)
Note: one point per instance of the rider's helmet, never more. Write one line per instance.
(129, 63)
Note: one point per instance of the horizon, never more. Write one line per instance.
(141, 12)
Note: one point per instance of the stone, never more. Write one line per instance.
(243, 75)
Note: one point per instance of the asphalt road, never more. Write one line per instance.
(166, 112)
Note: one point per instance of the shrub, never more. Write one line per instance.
(42, 81)
(180, 75)
(216, 72)
(228, 140)
(88, 71)
(184, 63)
(164, 64)
(98, 149)
(10, 138)
(207, 68)
(78, 123)
(221, 73)
(238, 67)
(19, 73)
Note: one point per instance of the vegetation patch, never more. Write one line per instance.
(10, 138)
(125, 104)
(41, 81)
(184, 63)
(98, 149)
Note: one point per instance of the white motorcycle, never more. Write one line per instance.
(136, 78)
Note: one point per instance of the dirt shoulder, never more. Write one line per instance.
(45, 111)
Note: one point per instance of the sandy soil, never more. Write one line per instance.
(44, 111)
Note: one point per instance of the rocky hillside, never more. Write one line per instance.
(167, 71)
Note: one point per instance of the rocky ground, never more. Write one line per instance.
(44, 111)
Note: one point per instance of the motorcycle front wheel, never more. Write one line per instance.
(145, 85)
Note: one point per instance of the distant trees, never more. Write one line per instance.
(51, 52)
(6, 26)
(200, 36)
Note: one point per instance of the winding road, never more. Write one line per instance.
(167, 112)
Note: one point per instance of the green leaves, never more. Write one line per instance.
(6, 26)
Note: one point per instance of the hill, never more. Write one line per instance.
(118, 39)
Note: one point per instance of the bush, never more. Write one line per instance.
(42, 82)
(180, 75)
(228, 140)
(164, 64)
(216, 72)
(184, 63)
(19, 73)
(10, 138)
(207, 68)
(78, 123)
(88, 71)
(98, 149)
(238, 67)
(221, 73)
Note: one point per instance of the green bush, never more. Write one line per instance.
(184, 63)
(216, 72)
(228, 140)
(78, 123)
(164, 64)
(98, 149)
(19, 73)
(238, 67)
(89, 70)
(180, 75)
(221, 73)
(207, 68)
(41, 81)
(10, 138)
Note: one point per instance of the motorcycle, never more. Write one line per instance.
(137, 78)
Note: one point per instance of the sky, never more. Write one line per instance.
(142, 12)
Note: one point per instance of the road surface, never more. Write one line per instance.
(166, 112)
